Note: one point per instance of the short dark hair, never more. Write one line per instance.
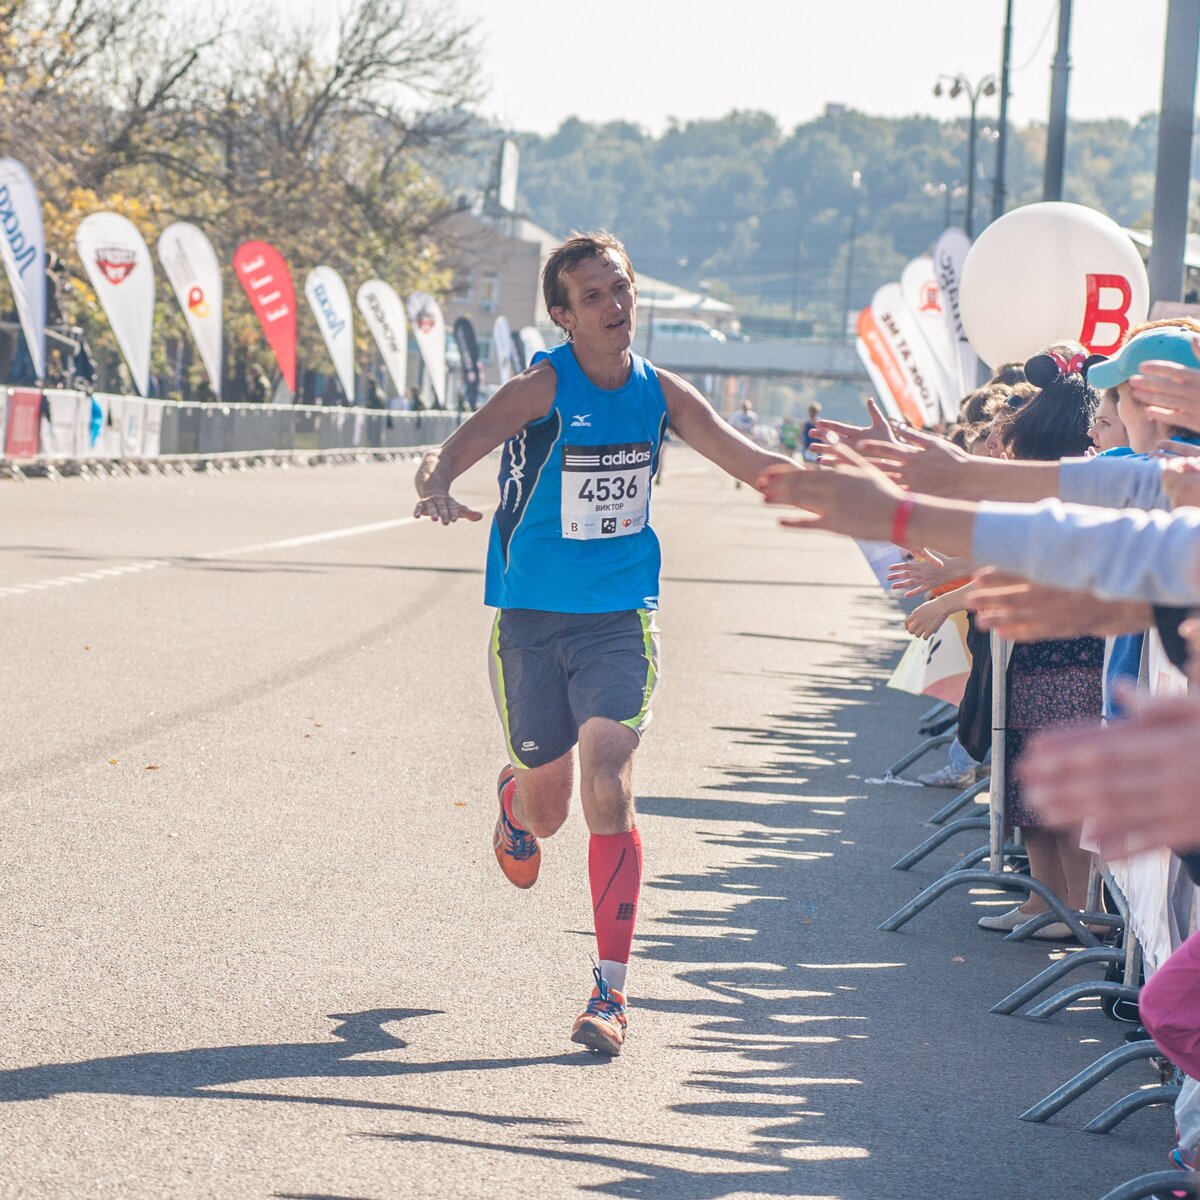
(565, 258)
(1007, 374)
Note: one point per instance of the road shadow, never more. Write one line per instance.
(769, 1029)
(209, 1072)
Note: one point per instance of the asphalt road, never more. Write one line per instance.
(255, 943)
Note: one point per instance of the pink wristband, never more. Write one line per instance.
(900, 519)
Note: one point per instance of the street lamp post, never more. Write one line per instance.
(951, 192)
(984, 87)
(855, 186)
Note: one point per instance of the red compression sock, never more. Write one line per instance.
(615, 872)
(507, 795)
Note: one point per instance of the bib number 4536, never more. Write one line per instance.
(609, 487)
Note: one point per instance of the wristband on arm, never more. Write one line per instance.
(900, 519)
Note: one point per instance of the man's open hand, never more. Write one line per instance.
(446, 509)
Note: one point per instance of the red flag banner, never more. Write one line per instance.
(268, 283)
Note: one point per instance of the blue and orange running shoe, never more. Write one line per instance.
(602, 1025)
(517, 850)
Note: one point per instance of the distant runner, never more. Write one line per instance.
(573, 572)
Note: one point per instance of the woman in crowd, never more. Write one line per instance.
(1059, 680)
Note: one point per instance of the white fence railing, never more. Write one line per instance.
(57, 429)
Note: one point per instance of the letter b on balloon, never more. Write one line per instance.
(1049, 273)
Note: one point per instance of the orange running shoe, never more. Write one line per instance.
(602, 1025)
(517, 850)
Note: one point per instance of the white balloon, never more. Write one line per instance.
(1048, 273)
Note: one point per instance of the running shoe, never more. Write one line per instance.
(602, 1025)
(517, 850)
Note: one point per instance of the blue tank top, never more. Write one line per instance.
(571, 533)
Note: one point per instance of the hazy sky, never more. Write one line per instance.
(650, 60)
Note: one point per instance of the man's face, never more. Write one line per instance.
(601, 306)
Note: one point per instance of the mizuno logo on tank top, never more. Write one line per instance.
(572, 532)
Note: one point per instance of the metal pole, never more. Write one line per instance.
(999, 732)
(1173, 171)
(1056, 135)
(971, 167)
(998, 185)
(850, 261)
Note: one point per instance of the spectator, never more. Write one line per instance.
(260, 386)
(811, 441)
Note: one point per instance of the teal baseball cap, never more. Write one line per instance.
(1170, 343)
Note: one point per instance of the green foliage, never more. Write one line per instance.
(764, 216)
(312, 138)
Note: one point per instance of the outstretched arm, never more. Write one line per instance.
(693, 418)
(1129, 555)
(526, 398)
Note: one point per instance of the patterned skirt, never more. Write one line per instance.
(1049, 683)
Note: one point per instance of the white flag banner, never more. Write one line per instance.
(883, 392)
(936, 666)
(23, 248)
(502, 350)
(191, 264)
(924, 300)
(908, 347)
(533, 342)
(949, 254)
(330, 302)
(429, 329)
(383, 311)
(118, 264)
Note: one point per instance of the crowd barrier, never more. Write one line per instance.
(55, 431)
(1157, 908)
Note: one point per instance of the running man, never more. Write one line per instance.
(573, 572)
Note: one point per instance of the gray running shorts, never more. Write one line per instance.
(552, 671)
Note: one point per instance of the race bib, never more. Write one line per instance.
(605, 490)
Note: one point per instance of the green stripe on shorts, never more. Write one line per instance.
(636, 723)
(501, 698)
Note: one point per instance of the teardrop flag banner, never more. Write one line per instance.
(191, 264)
(923, 299)
(121, 271)
(330, 302)
(468, 355)
(532, 342)
(949, 254)
(908, 348)
(502, 349)
(886, 372)
(383, 311)
(268, 284)
(23, 248)
(429, 329)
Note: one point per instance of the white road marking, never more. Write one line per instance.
(153, 564)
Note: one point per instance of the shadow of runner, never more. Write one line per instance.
(206, 1072)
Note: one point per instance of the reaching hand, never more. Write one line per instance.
(879, 430)
(1181, 482)
(1032, 612)
(926, 619)
(921, 463)
(446, 509)
(1134, 780)
(918, 575)
(857, 500)
(1170, 392)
